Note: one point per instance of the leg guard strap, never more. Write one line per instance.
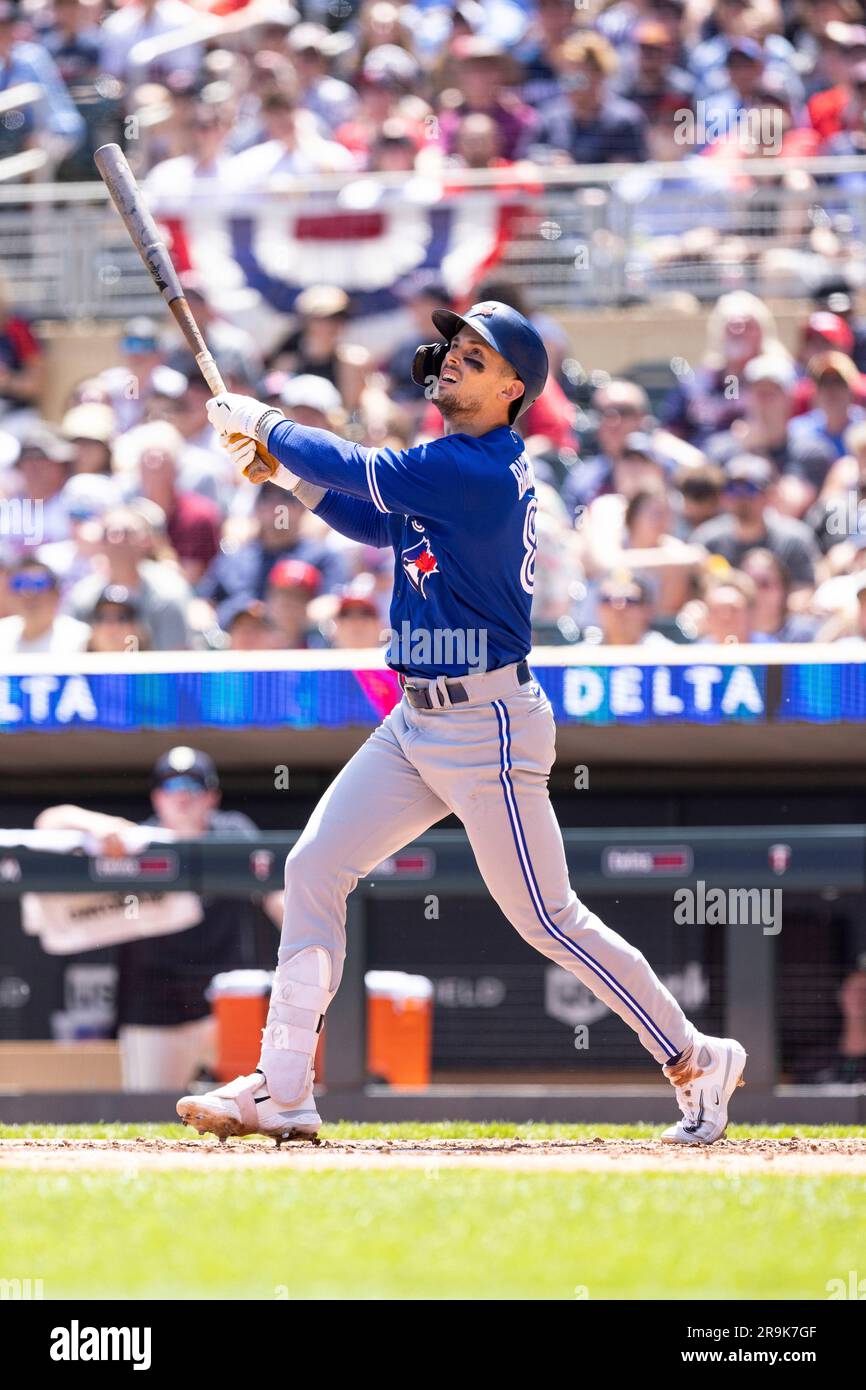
(300, 995)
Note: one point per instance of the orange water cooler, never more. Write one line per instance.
(399, 1027)
(239, 1001)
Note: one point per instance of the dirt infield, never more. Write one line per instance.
(799, 1156)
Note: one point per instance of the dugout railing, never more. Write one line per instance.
(572, 237)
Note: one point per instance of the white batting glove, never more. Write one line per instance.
(229, 413)
(242, 451)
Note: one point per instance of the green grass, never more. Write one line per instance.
(456, 1233)
(461, 1129)
(431, 1233)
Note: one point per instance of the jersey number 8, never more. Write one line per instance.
(530, 541)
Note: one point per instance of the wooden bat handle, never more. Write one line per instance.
(264, 465)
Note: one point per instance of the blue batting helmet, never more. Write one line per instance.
(503, 329)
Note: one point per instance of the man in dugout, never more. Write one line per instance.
(165, 1028)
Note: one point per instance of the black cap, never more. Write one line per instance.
(183, 764)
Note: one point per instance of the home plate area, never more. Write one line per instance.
(792, 1155)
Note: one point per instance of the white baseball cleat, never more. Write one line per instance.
(244, 1106)
(704, 1085)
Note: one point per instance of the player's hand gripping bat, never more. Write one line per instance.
(126, 196)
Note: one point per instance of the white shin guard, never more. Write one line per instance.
(299, 998)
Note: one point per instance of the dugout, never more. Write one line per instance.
(510, 1028)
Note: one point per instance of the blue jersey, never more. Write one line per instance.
(460, 515)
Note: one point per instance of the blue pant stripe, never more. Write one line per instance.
(535, 893)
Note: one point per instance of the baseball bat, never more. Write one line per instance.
(126, 195)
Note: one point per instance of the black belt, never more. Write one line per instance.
(419, 695)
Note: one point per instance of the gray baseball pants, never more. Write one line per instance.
(488, 762)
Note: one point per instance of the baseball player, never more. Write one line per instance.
(473, 735)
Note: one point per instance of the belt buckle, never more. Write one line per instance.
(420, 692)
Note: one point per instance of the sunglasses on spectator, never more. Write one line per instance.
(742, 488)
(138, 346)
(618, 412)
(623, 600)
(31, 583)
(699, 492)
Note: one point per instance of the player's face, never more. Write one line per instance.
(472, 376)
(185, 812)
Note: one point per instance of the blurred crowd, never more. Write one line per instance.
(327, 85)
(734, 96)
(720, 501)
(727, 506)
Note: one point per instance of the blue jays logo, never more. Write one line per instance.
(419, 563)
